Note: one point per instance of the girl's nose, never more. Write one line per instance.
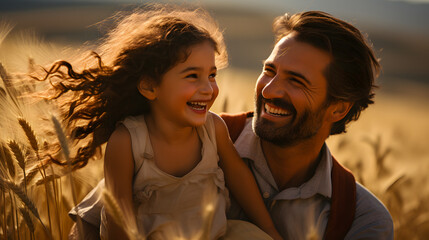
(206, 87)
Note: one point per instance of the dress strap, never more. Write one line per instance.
(139, 139)
(211, 131)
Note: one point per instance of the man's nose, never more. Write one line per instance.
(273, 89)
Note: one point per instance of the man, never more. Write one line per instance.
(318, 78)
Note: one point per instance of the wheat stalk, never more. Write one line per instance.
(7, 156)
(30, 134)
(4, 76)
(12, 215)
(113, 209)
(62, 138)
(35, 146)
(3, 194)
(13, 145)
(66, 151)
(225, 105)
(26, 200)
(27, 219)
(47, 179)
(30, 176)
(9, 87)
(5, 29)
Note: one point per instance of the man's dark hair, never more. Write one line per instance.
(353, 68)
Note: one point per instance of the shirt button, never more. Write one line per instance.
(266, 195)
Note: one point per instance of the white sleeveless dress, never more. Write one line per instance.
(170, 207)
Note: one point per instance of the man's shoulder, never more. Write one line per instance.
(372, 219)
(369, 202)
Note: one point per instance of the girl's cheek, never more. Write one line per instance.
(215, 90)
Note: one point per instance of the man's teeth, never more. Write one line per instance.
(276, 111)
(198, 105)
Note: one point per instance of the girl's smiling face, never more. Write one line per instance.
(188, 90)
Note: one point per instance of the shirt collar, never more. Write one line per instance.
(249, 146)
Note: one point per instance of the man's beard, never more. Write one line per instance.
(300, 128)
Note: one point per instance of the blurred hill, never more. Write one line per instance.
(398, 30)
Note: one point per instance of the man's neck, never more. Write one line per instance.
(293, 165)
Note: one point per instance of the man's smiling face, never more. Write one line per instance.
(291, 93)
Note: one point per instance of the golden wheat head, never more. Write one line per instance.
(13, 145)
(29, 133)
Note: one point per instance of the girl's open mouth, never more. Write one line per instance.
(199, 106)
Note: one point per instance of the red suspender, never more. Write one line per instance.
(343, 201)
(235, 123)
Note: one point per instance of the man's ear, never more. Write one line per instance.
(338, 110)
(147, 89)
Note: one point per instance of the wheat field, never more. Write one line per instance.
(386, 149)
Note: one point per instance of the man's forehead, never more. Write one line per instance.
(291, 50)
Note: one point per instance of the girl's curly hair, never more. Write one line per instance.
(143, 45)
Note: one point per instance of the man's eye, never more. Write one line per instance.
(296, 80)
(269, 71)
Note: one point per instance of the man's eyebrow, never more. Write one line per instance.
(293, 73)
(269, 64)
(195, 69)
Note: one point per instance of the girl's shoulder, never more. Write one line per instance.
(217, 121)
(118, 155)
(133, 121)
(120, 137)
(220, 129)
(127, 134)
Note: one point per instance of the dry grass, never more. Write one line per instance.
(35, 195)
(386, 149)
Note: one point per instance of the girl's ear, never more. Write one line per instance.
(338, 110)
(147, 89)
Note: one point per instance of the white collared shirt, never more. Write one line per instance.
(303, 212)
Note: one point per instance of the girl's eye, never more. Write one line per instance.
(212, 76)
(193, 75)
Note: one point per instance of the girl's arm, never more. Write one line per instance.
(118, 174)
(241, 182)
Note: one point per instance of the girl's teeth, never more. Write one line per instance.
(198, 105)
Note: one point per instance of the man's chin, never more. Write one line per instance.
(276, 140)
(269, 131)
(272, 125)
(284, 135)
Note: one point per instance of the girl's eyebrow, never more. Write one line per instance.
(195, 69)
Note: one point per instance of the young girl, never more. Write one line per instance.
(151, 103)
